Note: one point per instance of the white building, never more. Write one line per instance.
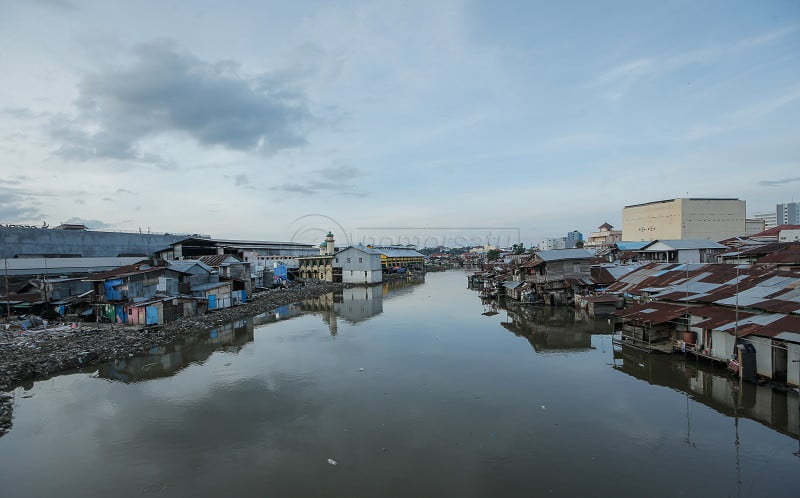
(553, 244)
(358, 265)
(770, 219)
(681, 251)
(789, 236)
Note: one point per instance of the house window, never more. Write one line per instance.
(337, 260)
(360, 260)
(348, 260)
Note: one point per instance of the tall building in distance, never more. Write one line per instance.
(770, 219)
(788, 213)
(572, 239)
(684, 219)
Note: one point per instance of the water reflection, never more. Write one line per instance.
(355, 305)
(711, 386)
(164, 361)
(552, 329)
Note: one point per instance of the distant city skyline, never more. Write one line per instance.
(237, 120)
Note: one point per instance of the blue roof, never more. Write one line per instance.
(632, 246)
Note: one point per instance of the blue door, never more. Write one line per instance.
(212, 301)
(151, 315)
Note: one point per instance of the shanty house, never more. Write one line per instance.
(218, 295)
(559, 274)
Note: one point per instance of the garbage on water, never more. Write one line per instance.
(332, 461)
(543, 407)
(360, 369)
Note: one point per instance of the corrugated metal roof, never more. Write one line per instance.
(631, 246)
(564, 254)
(513, 284)
(399, 252)
(19, 266)
(653, 313)
(686, 244)
(364, 249)
(185, 265)
(216, 260)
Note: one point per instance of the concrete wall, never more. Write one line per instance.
(651, 221)
(712, 219)
(793, 357)
(19, 241)
(699, 219)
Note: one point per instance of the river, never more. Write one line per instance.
(413, 389)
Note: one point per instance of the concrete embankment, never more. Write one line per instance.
(35, 353)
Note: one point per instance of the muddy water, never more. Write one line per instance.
(419, 390)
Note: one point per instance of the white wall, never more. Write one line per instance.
(763, 347)
(793, 372)
(689, 256)
(722, 344)
(362, 276)
(789, 236)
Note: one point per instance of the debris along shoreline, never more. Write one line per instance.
(35, 353)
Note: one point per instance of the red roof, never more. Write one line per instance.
(775, 231)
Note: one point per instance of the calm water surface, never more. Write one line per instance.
(455, 399)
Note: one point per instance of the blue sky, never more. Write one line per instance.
(234, 120)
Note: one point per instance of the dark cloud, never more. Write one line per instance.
(16, 207)
(167, 91)
(775, 183)
(335, 179)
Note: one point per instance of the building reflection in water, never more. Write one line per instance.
(551, 329)
(357, 304)
(713, 387)
(354, 305)
(164, 361)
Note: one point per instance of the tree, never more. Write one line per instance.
(492, 255)
(579, 244)
(518, 248)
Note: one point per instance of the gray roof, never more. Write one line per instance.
(185, 264)
(513, 284)
(361, 248)
(562, 254)
(35, 266)
(686, 244)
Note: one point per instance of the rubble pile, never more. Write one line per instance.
(38, 352)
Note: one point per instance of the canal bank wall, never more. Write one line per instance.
(36, 353)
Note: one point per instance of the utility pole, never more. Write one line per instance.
(8, 303)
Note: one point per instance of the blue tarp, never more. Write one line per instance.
(279, 273)
(113, 294)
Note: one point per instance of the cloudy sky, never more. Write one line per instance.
(236, 118)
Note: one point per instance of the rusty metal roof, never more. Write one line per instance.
(652, 313)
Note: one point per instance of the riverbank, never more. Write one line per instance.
(34, 353)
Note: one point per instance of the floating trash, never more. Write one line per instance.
(332, 461)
